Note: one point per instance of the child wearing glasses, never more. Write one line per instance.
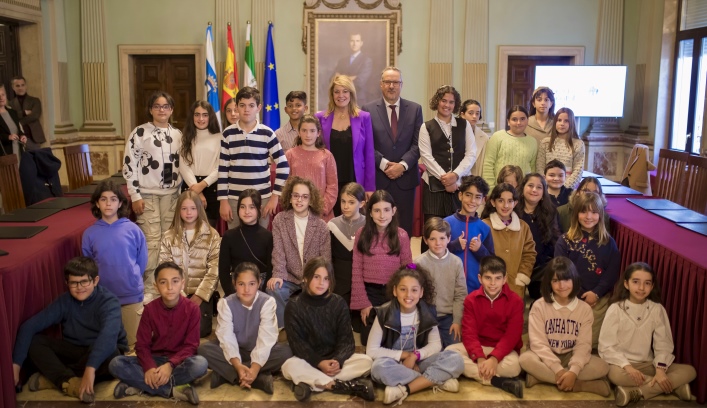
(92, 335)
(299, 234)
(151, 170)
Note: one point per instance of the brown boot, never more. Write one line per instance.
(71, 388)
(530, 380)
(39, 382)
(599, 387)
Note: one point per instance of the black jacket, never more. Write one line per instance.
(389, 319)
(39, 174)
(319, 328)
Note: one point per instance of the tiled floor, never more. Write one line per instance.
(471, 394)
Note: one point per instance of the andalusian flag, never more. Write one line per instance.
(230, 73)
(249, 74)
(211, 84)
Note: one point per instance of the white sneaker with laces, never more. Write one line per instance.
(451, 385)
(393, 394)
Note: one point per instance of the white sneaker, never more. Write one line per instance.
(451, 385)
(393, 394)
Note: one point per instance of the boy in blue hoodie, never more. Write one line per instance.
(119, 248)
(92, 335)
(471, 239)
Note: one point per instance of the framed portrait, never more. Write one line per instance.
(357, 44)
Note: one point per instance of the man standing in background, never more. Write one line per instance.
(396, 127)
(29, 109)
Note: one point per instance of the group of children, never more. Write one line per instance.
(458, 308)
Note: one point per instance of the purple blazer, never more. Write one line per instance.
(364, 154)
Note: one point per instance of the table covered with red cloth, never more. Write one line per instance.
(679, 257)
(32, 276)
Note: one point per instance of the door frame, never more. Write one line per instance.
(126, 63)
(504, 51)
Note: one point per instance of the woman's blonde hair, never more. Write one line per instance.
(316, 203)
(588, 201)
(178, 224)
(346, 82)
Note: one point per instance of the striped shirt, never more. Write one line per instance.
(244, 162)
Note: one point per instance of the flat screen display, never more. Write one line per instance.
(589, 90)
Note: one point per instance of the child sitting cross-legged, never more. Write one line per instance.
(167, 340)
(491, 330)
(318, 326)
(404, 342)
(246, 352)
(92, 334)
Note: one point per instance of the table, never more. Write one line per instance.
(32, 276)
(679, 258)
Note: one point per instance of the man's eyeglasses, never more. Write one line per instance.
(394, 83)
(75, 284)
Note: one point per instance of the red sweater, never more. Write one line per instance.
(497, 324)
(167, 332)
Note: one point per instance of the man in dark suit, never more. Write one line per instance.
(396, 126)
(359, 67)
(29, 109)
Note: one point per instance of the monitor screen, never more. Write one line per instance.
(595, 91)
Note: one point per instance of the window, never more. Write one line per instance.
(690, 76)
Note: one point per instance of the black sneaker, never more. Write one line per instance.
(217, 380)
(513, 386)
(264, 383)
(123, 390)
(360, 387)
(302, 391)
(186, 393)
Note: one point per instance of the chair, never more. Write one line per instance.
(12, 196)
(696, 189)
(78, 166)
(670, 175)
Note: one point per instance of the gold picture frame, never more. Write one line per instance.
(328, 40)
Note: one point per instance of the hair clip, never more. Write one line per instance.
(411, 266)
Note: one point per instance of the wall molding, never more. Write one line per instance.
(126, 67)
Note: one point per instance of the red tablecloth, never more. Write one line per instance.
(679, 257)
(31, 276)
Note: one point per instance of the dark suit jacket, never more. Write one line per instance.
(363, 151)
(31, 121)
(5, 132)
(362, 68)
(405, 146)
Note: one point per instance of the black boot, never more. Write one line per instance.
(360, 387)
(511, 385)
(264, 383)
(302, 391)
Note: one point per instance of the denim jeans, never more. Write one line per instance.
(282, 295)
(437, 369)
(128, 370)
(443, 324)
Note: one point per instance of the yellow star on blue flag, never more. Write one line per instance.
(271, 116)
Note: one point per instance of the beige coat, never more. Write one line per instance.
(637, 169)
(198, 259)
(514, 244)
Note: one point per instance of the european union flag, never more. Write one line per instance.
(271, 114)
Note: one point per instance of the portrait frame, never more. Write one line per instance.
(326, 41)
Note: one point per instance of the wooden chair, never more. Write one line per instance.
(670, 175)
(78, 166)
(696, 189)
(10, 186)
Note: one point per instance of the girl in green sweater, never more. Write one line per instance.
(510, 146)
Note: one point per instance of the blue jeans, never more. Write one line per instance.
(443, 324)
(128, 370)
(282, 295)
(437, 369)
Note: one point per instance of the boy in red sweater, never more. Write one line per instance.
(167, 340)
(492, 325)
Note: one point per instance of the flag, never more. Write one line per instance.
(230, 74)
(271, 115)
(211, 84)
(249, 74)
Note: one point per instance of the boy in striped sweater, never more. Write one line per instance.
(245, 149)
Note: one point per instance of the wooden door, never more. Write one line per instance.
(521, 77)
(174, 74)
(9, 56)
